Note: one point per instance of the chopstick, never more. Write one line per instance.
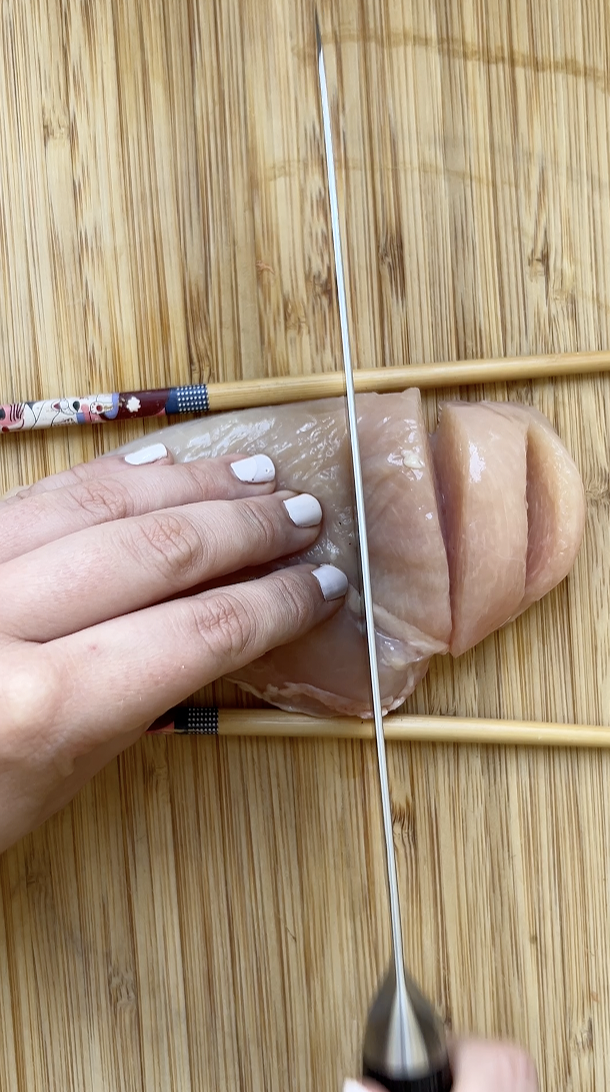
(256, 723)
(241, 394)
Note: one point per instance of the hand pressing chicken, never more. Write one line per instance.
(120, 598)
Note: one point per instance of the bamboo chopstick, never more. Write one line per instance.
(461, 373)
(240, 394)
(252, 723)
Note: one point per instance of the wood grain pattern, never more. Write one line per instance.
(211, 914)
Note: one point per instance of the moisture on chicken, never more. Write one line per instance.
(555, 505)
(466, 529)
(481, 465)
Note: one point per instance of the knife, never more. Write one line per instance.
(404, 1043)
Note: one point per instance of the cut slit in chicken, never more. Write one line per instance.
(466, 529)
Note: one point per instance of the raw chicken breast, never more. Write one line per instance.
(462, 537)
(327, 670)
(480, 460)
(555, 504)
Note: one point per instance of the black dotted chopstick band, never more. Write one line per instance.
(188, 720)
(188, 400)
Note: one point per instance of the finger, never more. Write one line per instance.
(100, 467)
(35, 519)
(120, 567)
(482, 1066)
(149, 661)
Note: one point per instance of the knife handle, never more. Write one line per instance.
(440, 1081)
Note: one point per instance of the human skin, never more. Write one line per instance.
(481, 1066)
(124, 589)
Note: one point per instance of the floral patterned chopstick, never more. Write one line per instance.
(98, 408)
(273, 390)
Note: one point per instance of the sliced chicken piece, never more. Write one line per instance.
(555, 504)
(481, 464)
(326, 671)
(409, 562)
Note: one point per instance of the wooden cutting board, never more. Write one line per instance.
(211, 914)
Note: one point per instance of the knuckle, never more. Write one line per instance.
(201, 475)
(295, 603)
(260, 522)
(33, 694)
(224, 624)
(101, 501)
(79, 473)
(172, 543)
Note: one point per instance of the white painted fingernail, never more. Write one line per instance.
(353, 1086)
(304, 510)
(150, 454)
(256, 469)
(332, 581)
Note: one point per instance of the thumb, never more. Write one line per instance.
(480, 1066)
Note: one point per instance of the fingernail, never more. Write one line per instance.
(304, 510)
(256, 469)
(353, 1086)
(332, 581)
(150, 454)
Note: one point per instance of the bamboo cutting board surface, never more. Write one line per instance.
(211, 914)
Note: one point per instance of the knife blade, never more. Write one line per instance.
(404, 1043)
